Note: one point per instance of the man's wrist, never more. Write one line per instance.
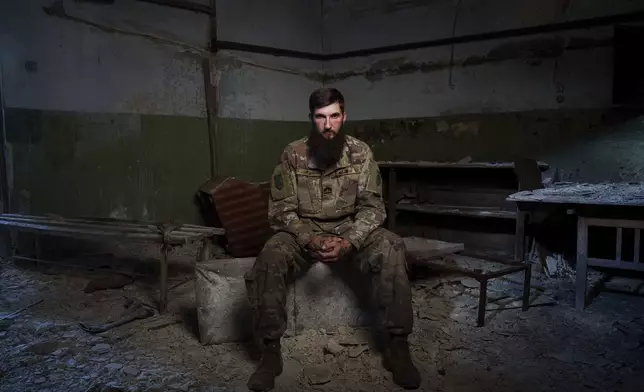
(355, 244)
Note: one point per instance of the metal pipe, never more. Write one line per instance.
(212, 93)
(5, 193)
(525, 31)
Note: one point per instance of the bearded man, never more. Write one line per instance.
(326, 206)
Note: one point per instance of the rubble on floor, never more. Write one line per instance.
(551, 347)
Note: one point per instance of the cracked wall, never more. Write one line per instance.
(547, 96)
(106, 110)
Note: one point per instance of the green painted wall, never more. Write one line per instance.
(585, 145)
(150, 167)
(133, 166)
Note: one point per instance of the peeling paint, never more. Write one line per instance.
(549, 47)
(466, 128)
(533, 50)
(119, 212)
(442, 126)
(363, 8)
(458, 128)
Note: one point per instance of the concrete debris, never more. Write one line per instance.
(333, 347)
(44, 350)
(130, 371)
(470, 283)
(101, 348)
(108, 282)
(355, 351)
(354, 340)
(114, 366)
(318, 375)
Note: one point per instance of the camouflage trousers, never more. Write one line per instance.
(381, 258)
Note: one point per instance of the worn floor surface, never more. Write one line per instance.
(549, 348)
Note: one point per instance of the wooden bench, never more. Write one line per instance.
(164, 234)
(439, 255)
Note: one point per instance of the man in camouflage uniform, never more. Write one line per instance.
(326, 205)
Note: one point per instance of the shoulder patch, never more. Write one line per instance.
(278, 182)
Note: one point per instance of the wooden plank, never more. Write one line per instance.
(117, 222)
(620, 223)
(519, 236)
(582, 262)
(636, 247)
(478, 212)
(493, 198)
(478, 267)
(91, 233)
(596, 262)
(618, 245)
(471, 235)
(101, 225)
(452, 165)
(419, 248)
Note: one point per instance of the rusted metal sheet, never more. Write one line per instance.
(242, 210)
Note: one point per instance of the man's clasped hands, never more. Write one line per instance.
(329, 249)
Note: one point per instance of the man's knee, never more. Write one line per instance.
(393, 241)
(278, 253)
(384, 249)
(271, 266)
(387, 242)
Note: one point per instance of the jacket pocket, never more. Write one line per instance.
(309, 196)
(347, 182)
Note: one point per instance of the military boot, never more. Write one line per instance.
(270, 366)
(398, 361)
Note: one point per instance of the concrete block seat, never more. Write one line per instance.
(322, 297)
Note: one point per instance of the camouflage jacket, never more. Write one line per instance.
(343, 200)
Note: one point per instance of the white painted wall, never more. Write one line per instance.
(580, 78)
(82, 68)
(86, 69)
(254, 86)
(285, 24)
(360, 24)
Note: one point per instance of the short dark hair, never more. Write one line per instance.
(325, 96)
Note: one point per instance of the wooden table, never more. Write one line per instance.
(164, 234)
(615, 205)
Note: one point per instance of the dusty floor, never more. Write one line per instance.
(551, 347)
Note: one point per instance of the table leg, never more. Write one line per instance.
(526, 286)
(204, 251)
(163, 284)
(482, 302)
(519, 236)
(582, 263)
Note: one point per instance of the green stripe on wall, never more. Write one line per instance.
(134, 166)
(150, 167)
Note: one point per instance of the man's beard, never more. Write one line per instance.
(325, 152)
